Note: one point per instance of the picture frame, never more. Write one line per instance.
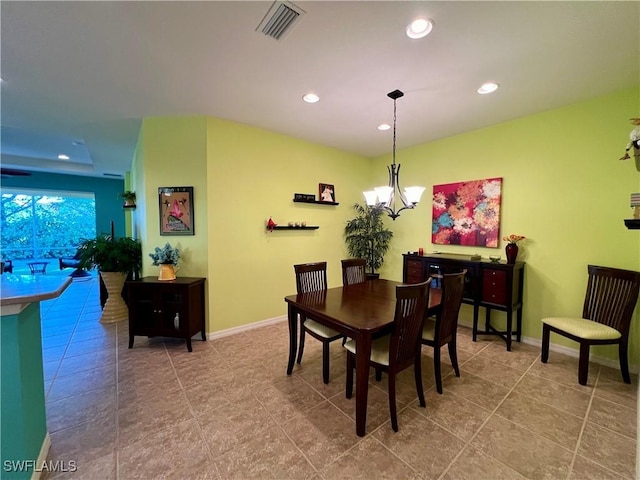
(176, 211)
(327, 192)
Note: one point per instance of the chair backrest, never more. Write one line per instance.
(411, 304)
(311, 277)
(353, 271)
(452, 291)
(611, 297)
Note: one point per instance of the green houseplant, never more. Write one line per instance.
(129, 198)
(115, 259)
(367, 237)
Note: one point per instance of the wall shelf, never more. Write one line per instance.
(308, 227)
(632, 223)
(319, 202)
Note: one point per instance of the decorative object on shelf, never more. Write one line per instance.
(494, 258)
(634, 136)
(635, 204)
(304, 197)
(467, 213)
(271, 224)
(115, 259)
(367, 237)
(512, 247)
(176, 210)
(129, 199)
(168, 259)
(327, 192)
(386, 196)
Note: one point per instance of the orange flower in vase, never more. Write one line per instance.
(512, 246)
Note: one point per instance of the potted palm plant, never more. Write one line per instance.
(115, 259)
(367, 237)
(129, 199)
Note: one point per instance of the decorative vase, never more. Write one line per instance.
(167, 272)
(512, 252)
(115, 309)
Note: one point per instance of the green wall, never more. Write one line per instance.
(563, 188)
(106, 191)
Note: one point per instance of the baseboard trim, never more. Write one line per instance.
(42, 457)
(245, 328)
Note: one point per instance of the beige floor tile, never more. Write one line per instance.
(465, 342)
(474, 464)
(489, 370)
(369, 459)
(285, 398)
(102, 468)
(585, 469)
(207, 396)
(85, 442)
(563, 369)
(453, 413)
(92, 405)
(87, 361)
(614, 416)
(521, 356)
(567, 398)
(417, 441)
(609, 449)
(482, 392)
(81, 382)
(322, 433)
(270, 455)
(141, 389)
(523, 451)
(612, 387)
(551, 423)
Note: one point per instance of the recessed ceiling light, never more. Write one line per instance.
(419, 28)
(77, 143)
(384, 126)
(62, 156)
(311, 98)
(488, 87)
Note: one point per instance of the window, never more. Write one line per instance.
(45, 224)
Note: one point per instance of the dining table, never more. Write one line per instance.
(361, 311)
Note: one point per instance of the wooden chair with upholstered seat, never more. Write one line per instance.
(611, 297)
(353, 271)
(312, 277)
(443, 329)
(401, 348)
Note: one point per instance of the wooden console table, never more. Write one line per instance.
(166, 308)
(492, 285)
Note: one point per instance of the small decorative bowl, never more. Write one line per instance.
(494, 258)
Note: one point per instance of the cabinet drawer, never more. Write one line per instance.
(415, 272)
(494, 286)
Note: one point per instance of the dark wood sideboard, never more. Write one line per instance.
(166, 308)
(492, 285)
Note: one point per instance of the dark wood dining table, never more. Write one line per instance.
(362, 312)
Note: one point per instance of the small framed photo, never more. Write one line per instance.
(176, 210)
(327, 192)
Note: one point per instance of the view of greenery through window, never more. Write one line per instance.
(39, 225)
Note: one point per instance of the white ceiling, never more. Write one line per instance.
(88, 72)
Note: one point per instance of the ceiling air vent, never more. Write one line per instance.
(280, 19)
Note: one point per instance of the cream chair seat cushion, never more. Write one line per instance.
(429, 329)
(379, 349)
(583, 328)
(320, 329)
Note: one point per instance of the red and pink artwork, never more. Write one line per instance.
(467, 213)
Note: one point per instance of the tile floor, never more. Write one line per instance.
(228, 410)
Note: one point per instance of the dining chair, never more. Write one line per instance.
(353, 271)
(400, 349)
(611, 297)
(312, 277)
(443, 329)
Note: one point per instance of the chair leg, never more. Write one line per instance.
(392, 401)
(417, 370)
(378, 374)
(583, 365)
(325, 362)
(350, 366)
(624, 362)
(453, 355)
(545, 343)
(436, 368)
(301, 342)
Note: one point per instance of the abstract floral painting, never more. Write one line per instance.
(467, 213)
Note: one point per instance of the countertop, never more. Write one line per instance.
(24, 289)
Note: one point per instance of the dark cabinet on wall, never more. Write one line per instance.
(161, 308)
(492, 285)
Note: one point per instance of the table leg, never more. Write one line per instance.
(363, 353)
(519, 324)
(509, 328)
(293, 336)
(474, 331)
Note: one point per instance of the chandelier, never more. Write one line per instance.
(385, 197)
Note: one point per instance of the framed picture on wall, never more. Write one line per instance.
(327, 192)
(176, 210)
